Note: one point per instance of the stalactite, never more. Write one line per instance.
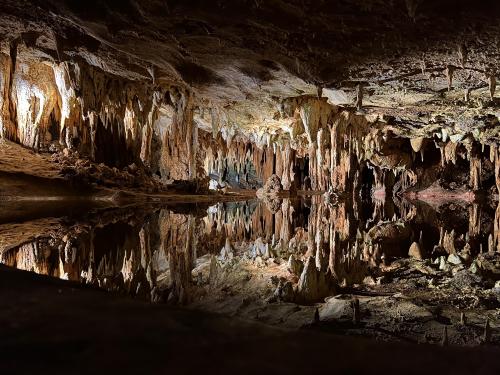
(191, 138)
(450, 152)
(496, 231)
(69, 106)
(474, 221)
(417, 143)
(7, 128)
(475, 171)
(34, 96)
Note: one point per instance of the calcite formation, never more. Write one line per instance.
(76, 81)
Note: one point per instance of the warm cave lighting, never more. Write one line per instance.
(276, 181)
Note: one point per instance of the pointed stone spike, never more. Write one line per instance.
(355, 310)
(487, 331)
(359, 96)
(415, 251)
(449, 74)
(444, 340)
(492, 85)
(416, 143)
(463, 319)
(444, 134)
(467, 92)
(316, 316)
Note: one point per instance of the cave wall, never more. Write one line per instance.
(50, 105)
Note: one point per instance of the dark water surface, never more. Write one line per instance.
(167, 250)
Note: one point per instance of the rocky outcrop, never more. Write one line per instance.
(314, 284)
(272, 187)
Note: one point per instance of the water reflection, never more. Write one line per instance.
(176, 254)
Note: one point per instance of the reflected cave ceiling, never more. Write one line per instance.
(415, 59)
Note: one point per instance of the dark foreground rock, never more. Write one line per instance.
(53, 326)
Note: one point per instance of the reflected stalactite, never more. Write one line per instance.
(181, 259)
(496, 232)
(165, 254)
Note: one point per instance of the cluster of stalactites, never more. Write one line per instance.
(336, 141)
(180, 143)
(222, 156)
(129, 267)
(248, 161)
(30, 97)
(75, 104)
(335, 242)
(179, 243)
(243, 223)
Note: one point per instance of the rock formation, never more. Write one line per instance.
(368, 130)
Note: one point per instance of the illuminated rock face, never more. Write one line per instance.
(77, 107)
(46, 105)
(196, 91)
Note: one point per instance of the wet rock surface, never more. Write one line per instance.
(243, 260)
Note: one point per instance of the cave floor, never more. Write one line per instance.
(56, 326)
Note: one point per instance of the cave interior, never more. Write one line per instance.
(329, 168)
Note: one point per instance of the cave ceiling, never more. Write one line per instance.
(414, 61)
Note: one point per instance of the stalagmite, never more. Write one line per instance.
(444, 340)
(492, 85)
(313, 283)
(450, 69)
(463, 319)
(487, 331)
(355, 311)
(415, 251)
(359, 96)
(462, 54)
(295, 266)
